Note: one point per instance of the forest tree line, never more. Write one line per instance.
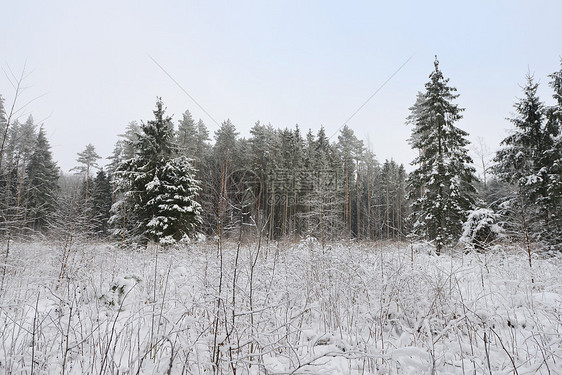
(172, 180)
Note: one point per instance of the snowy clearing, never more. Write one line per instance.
(285, 309)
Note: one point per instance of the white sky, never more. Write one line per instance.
(280, 62)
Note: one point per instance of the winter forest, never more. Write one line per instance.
(167, 183)
(287, 252)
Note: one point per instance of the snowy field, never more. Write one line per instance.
(282, 309)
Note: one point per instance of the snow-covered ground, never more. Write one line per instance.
(285, 309)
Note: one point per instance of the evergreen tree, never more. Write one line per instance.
(553, 155)
(158, 187)
(297, 166)
(289, 180)
(519, 159)
(322, 210)
(100, 204)
(321, 150)
(88, 160)
(401, 203)
(260, 142)
(390, 198)
(22, 139)
(41, 186)
(124, 147)
(351, 150)
(386, 194)
(202, 163)
(187, 135)
(263, 147)
(529, 161)
(442, 181)
(225, 144)
(220, 211)
(370, 172)
(203, 147)
(20, 143)
(171, 202)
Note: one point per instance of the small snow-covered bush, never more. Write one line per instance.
(481, 228)
(119, 290)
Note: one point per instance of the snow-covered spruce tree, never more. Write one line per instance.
(100, 205)
(441, 186)
(528, 161)
(41, 186)
(158, 188)
(554, 154)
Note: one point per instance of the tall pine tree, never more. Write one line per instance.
(88, 160)
(441, 185)
(41, 186)
(351, 150)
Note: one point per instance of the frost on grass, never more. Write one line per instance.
(345, 309)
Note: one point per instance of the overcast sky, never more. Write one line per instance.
(310, 63)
